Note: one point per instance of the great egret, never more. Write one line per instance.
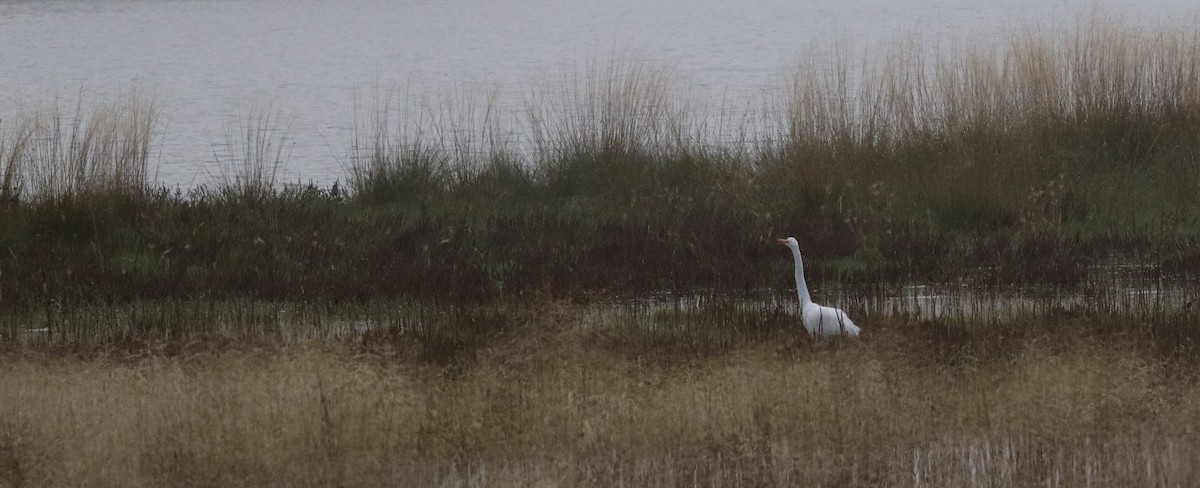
(820, 321)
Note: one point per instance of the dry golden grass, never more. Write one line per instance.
(1100, 72)
(550, 406)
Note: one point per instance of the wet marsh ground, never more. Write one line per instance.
(1015, 230)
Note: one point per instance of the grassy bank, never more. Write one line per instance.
(1023, 162)
(572, 398)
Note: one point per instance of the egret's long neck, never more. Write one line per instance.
(801, 285)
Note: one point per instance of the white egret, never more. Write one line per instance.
(820, 321)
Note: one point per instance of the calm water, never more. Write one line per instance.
(207, 61)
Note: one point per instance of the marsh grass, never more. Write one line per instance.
(554, 401)
(256, 148)
(955, 326)
(14, 140)
(1030, 161)
(59, 154)
(1026, 146)
(993, 134)
(420, 150)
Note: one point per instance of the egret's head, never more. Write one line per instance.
(789, 242)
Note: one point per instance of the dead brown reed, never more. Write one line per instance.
(549, 406)
(1100, 72)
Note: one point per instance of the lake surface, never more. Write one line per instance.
(207, 62)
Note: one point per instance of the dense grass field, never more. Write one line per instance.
(573, 396)
(587, 291)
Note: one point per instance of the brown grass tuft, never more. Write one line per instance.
(105, 150)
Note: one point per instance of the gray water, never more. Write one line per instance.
(207, 62)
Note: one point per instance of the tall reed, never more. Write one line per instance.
(14, 142)
(1098, 73)
(256, 148)
(102, 150)
(416, 148)
(624, 107)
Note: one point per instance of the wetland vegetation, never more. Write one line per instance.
(602, 302)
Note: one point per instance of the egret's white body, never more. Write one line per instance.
(820, 321)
